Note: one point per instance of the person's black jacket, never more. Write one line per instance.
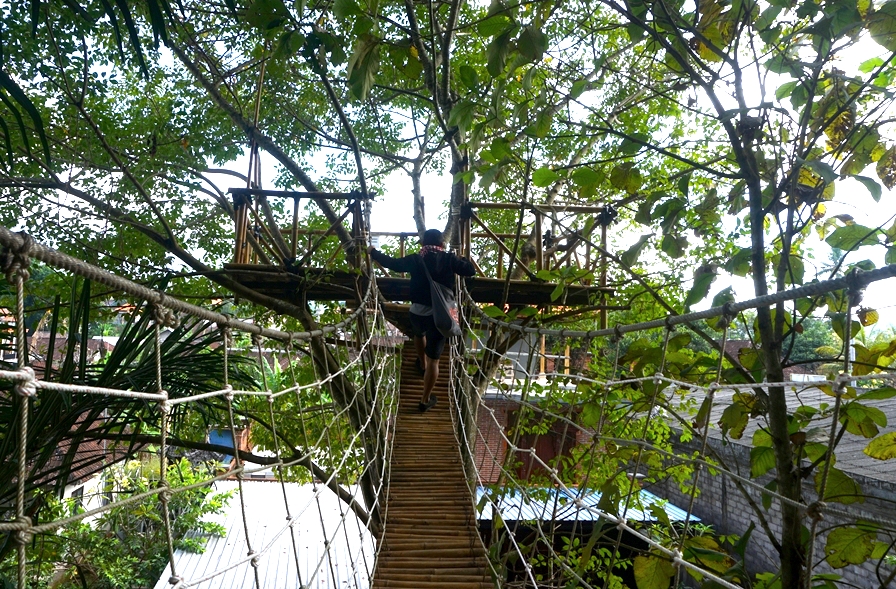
(442, 267)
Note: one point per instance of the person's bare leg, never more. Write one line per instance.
(420, 348)
(429, 379)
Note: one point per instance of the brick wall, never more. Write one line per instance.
(721, 504)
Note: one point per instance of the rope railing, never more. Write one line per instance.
(364, 375)
(674, 403)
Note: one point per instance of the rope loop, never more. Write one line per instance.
(174, 580)
(15, 262)
(28, 387)
(668, 322)
(256, 340)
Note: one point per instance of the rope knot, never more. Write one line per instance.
(28, 387)
(15, 262)
(816, 510)
(728, 316)
(162, 315)
(855, 289)
(617, 333)
(174, 580)
(256, 340)
(23, 536)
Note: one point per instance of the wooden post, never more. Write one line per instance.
(567, 361)
(541, 357)
(539, 246)
(500, 262)
(403, 245)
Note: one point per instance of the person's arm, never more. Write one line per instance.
(462, 266)
(404, 264)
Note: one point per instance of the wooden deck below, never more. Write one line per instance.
(430, 539)
(314, 284)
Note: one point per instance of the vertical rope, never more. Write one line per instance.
(270, 398)
(815, 511)
(225, 332)
(725, 323)
(15, 265)
(657, 383)
(162, 316)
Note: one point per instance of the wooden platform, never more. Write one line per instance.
(315, 284)
(430, 537)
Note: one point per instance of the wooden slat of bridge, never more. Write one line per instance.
(430, 537)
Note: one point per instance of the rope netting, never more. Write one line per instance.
(588, 452)
(337, 401)
(566, 438)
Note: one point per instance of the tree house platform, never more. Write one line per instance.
(315, 284)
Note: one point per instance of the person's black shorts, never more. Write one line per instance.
(435, 341)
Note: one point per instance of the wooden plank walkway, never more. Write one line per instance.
(430, 537)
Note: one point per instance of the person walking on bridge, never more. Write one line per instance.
(443, 266)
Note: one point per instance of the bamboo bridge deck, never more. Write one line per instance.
(431, 539)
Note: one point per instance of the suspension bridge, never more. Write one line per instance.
(546, 490)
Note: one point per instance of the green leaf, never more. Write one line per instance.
(703, 279)
(578, 88)
(785, 90)
(882, 447)
(878, 394)
(542, 125)
(762, 460)
(631, 254)
(532, 43)
(653, 572)
(590, 415)
(494, 25)
(19, 96)
(346, 8)
(848, 545)
(633, 144)
(740, 263)
(363, 65)
(496, 53)
(674, 247)
(840, 488)
(468, 77)
(850, 237)
(882, 25)
(544, 176)
(822, 169)
(462, 115)
(626, 177)
(873, 187)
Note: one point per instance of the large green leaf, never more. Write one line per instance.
(882, 447)
(882, 25)
(630, 256)
(532, 43)
(850, 237)
(840, 488)
(544, 176)
(703, 279)
(653, 572)
(848, 545)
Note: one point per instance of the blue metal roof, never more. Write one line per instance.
(556, 504)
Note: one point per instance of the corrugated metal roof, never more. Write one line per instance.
(555, 504)
(339, 554)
